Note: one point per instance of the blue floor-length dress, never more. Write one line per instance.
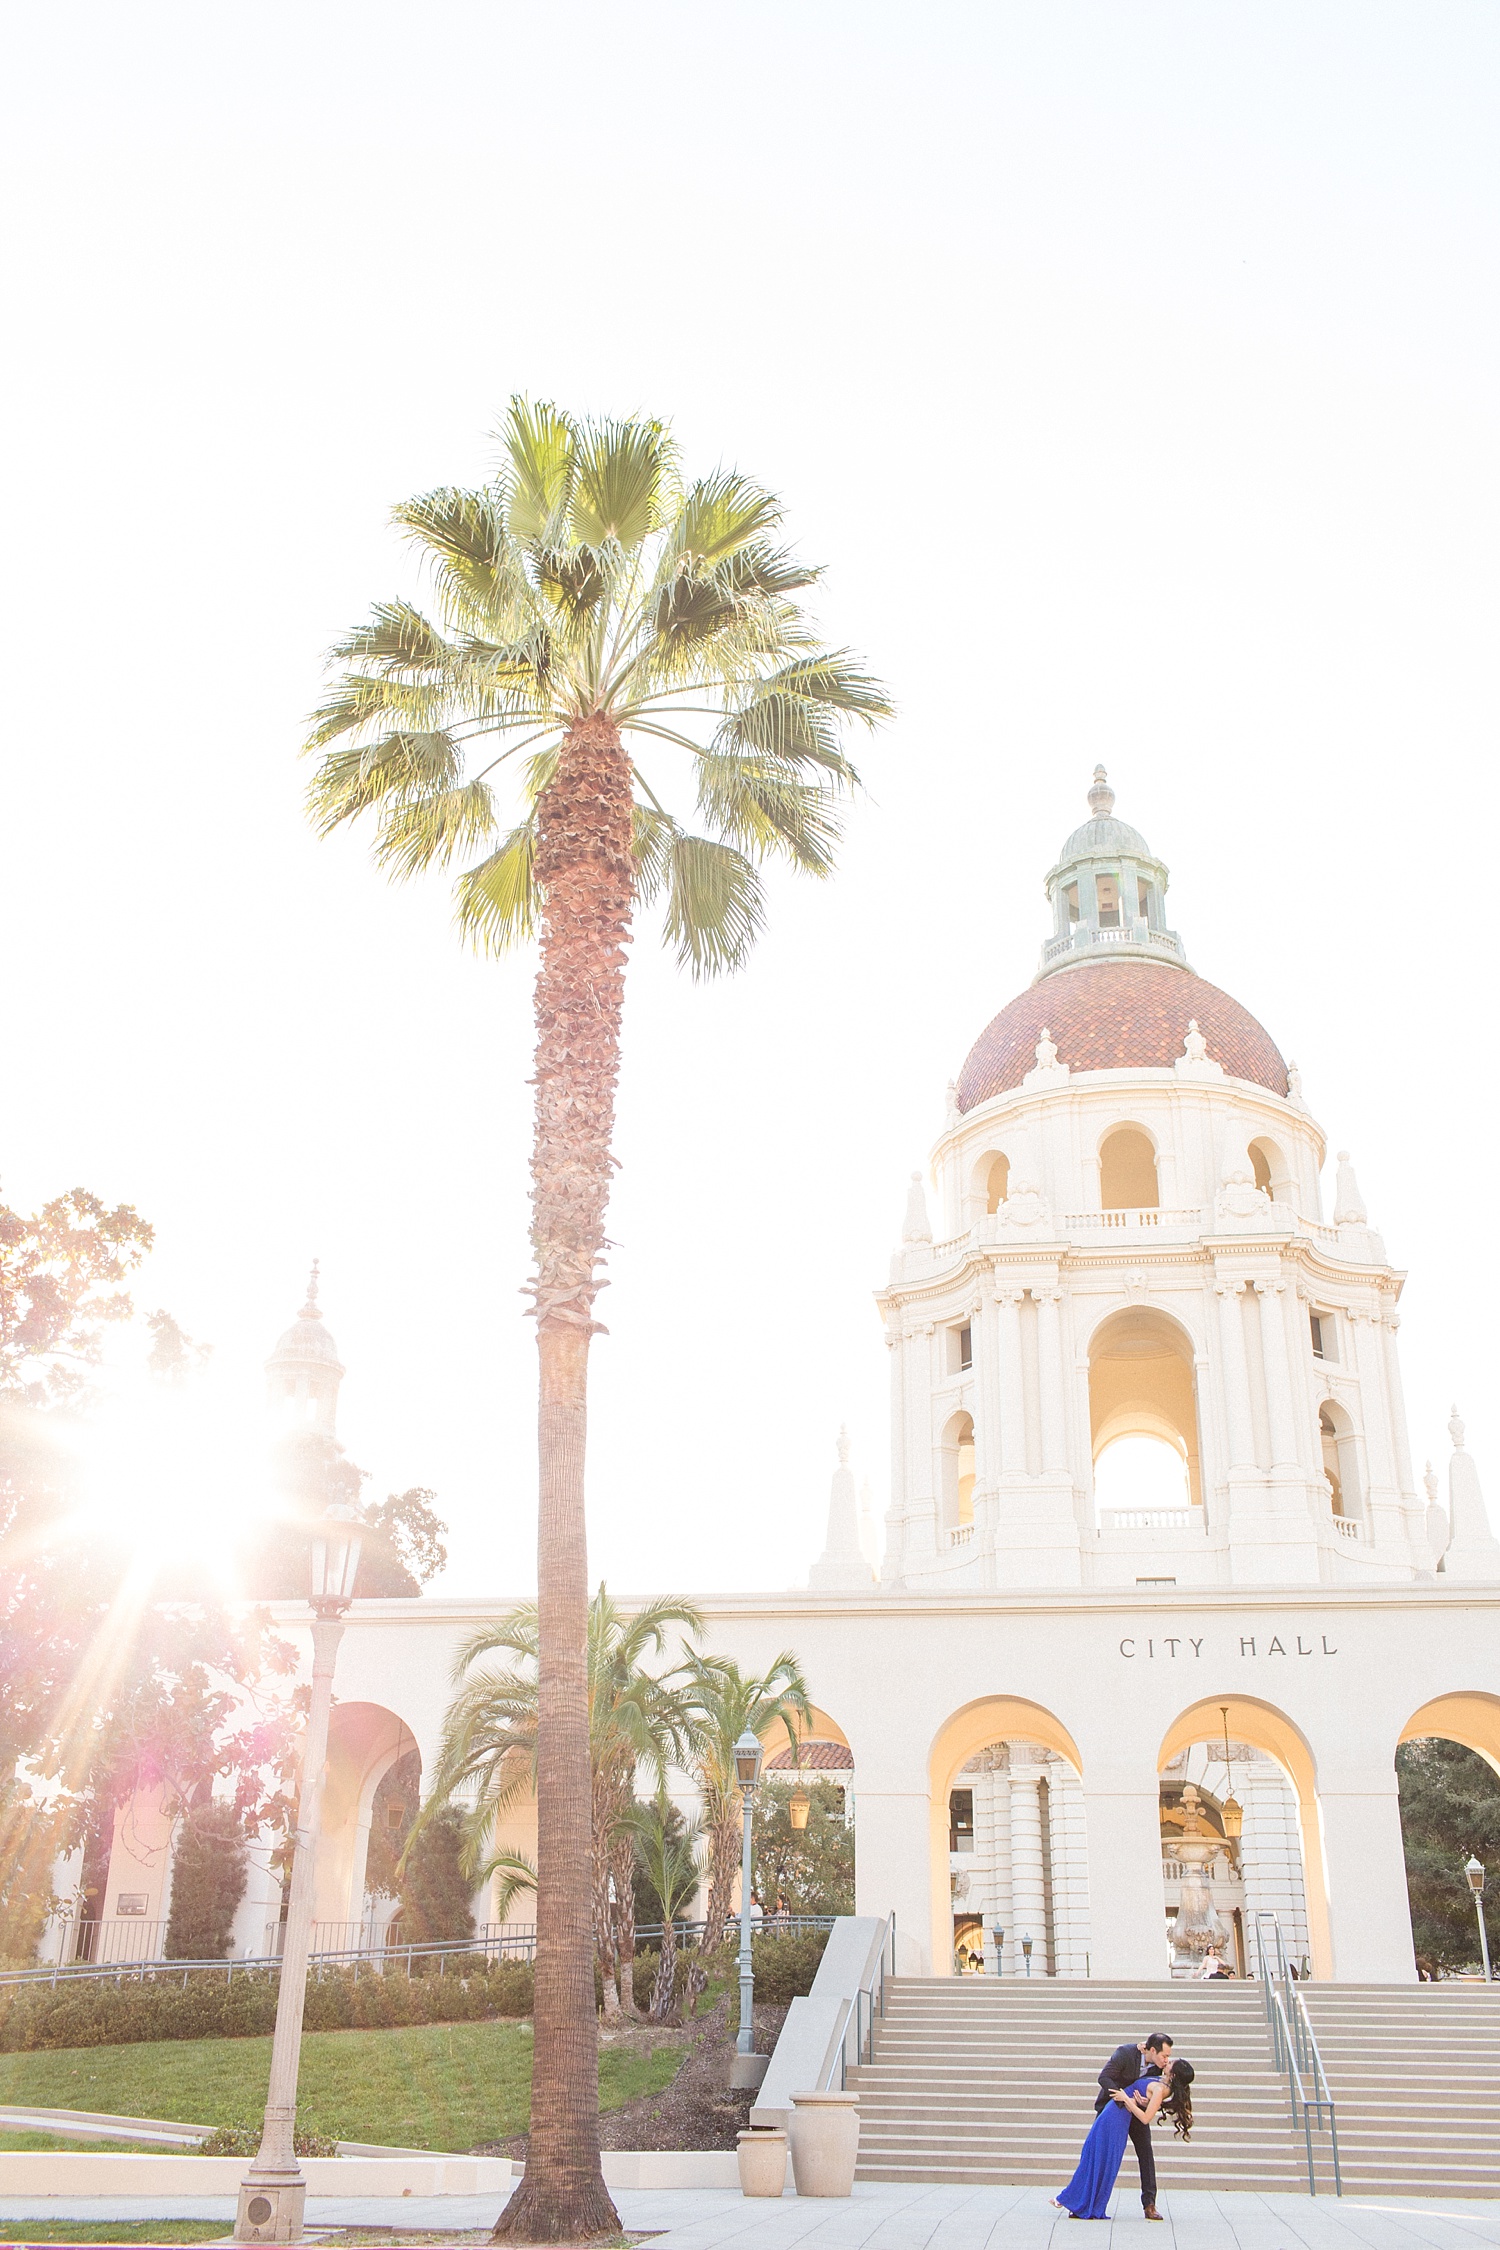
(1087, 2194)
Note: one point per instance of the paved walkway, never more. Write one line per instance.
(899, 2218)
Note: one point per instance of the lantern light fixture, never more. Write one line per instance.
(1230, 1811)
(336, 1544)
(798, 1805)
(747, 1756)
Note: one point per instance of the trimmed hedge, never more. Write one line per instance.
(210, 2006)
(205, 2004)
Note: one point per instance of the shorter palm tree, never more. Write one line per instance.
(486, 1761)
(727, 1701)
(668, 1856)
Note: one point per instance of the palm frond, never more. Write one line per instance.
(715, 905)
(398, 637)
(498, 904)
(428, 831)
(761, 806)
(476, 564)
(538, 441)
(352, 781)
(624, 482)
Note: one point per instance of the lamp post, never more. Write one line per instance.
(747, 1774)
(1475, 1873)
(274, 2191)
(998, 1934)
(1026, 1949)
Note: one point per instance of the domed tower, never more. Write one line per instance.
(1132, 1246)
(303, 1373)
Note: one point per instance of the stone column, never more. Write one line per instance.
(1284, 1447)
(1012, 1383)
(1236, 1376)
(1369, 1914)
(1127, 1904)
(1382, 1497)
(894, 1867)
(893, 1561)
(1027, 1886)
(1050, 1381)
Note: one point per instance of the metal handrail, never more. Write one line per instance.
(870, 1998)
(1294, 2046)
(521, 1947)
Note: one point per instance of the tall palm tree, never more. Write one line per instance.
(487, 1753)
(591, 607)
(726, 1702)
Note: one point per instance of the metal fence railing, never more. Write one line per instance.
(492, 1943)
(1294, 2046)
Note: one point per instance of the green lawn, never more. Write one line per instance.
(438, 2086)
(9, 2141)
(112, 2230)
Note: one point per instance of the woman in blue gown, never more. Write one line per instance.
(1087, 2194)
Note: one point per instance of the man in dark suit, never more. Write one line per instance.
(1138, 2058)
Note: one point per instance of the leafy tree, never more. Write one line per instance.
(210, 1867)
(591, 607)
(803, 1870)
(436, 1894)
(405, 1544)
(393, 1811)
(488, 1752)
(1450, 1809)
(727, 1701)
(666, 1849)
(404, 1537)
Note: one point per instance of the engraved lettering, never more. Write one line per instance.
(1127, 1648)
(1195, 1646)
(1327, 1651)
(1247, 1644)
(1172, 1645)
(1275, 1648)
(1150, 1648)
(1301, 1651)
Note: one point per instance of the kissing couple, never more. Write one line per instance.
(1141, 2081)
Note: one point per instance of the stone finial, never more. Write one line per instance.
(1456, 1430)
(918, 1227)
(1472, 1550)
(950, 1104)
(1429, 1480)
(1046, 1051)
(310, 1309)
(1194, 1045)
(843, 1445)
(1101, 796)
(1348, 1204)
(1293, 1083)
(843, 1566)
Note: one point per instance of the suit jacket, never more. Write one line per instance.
(1124, 2067)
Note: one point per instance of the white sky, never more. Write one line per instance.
(1131, 366)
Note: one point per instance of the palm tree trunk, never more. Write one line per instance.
(723, 1866)
(623, 1868)
(604, 1789)
(666, 1972)
(583, 868)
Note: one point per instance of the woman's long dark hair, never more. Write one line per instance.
(1178, 2102)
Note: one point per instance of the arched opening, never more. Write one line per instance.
(1276, 1867)
(1448, 1775)
(1009, 1846)
(996, 1183)
(1127, 1171)
(806, 1866)
(365, 1743)
(958, 1472)
(1142, 1387)
(1340, 1459)
(1270, 1171)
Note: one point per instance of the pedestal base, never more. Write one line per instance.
(270, 2211)
(748, 2070)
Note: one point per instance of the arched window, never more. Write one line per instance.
(958, 1472)
(1336, 1441)
(997, 1183)
(1270, 1171)
(1143, 1417)
(1127, 1171)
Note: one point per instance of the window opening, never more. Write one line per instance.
(1323, 1335)
(961, 1820)
(1156, 1582)
(965, 1347)
(1261, 1169)
(1071, 895)
(997, 1186)
(1143, 900)
(1107, 888)
(1127, 1172)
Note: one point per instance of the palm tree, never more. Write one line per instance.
(586, 599)
(487, 1753)
(726, 1702)
(668, 1855)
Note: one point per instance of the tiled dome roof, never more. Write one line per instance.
(1118, 1015)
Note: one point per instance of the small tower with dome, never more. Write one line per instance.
(304, 1372)
(1107, 893)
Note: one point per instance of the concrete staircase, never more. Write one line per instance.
(992, 2081)
(1414, 2071)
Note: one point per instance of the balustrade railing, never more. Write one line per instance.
(1349, 1527)
(1150, 1519)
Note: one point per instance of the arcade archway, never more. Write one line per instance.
(1142, 1387)
(1275, 1865)
(1009, 1844)
(1448, 1775)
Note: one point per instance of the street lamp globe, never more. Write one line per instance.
(1474, 1869)
(798, 1805)
(336, 1542)
(747, 1755)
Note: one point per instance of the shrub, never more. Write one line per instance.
(205, 2005)
(785, 1966)
(208, 1881)
(244, 2140)
(435, 1893)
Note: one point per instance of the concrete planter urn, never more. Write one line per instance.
(762, 2160)
(825, 2143)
